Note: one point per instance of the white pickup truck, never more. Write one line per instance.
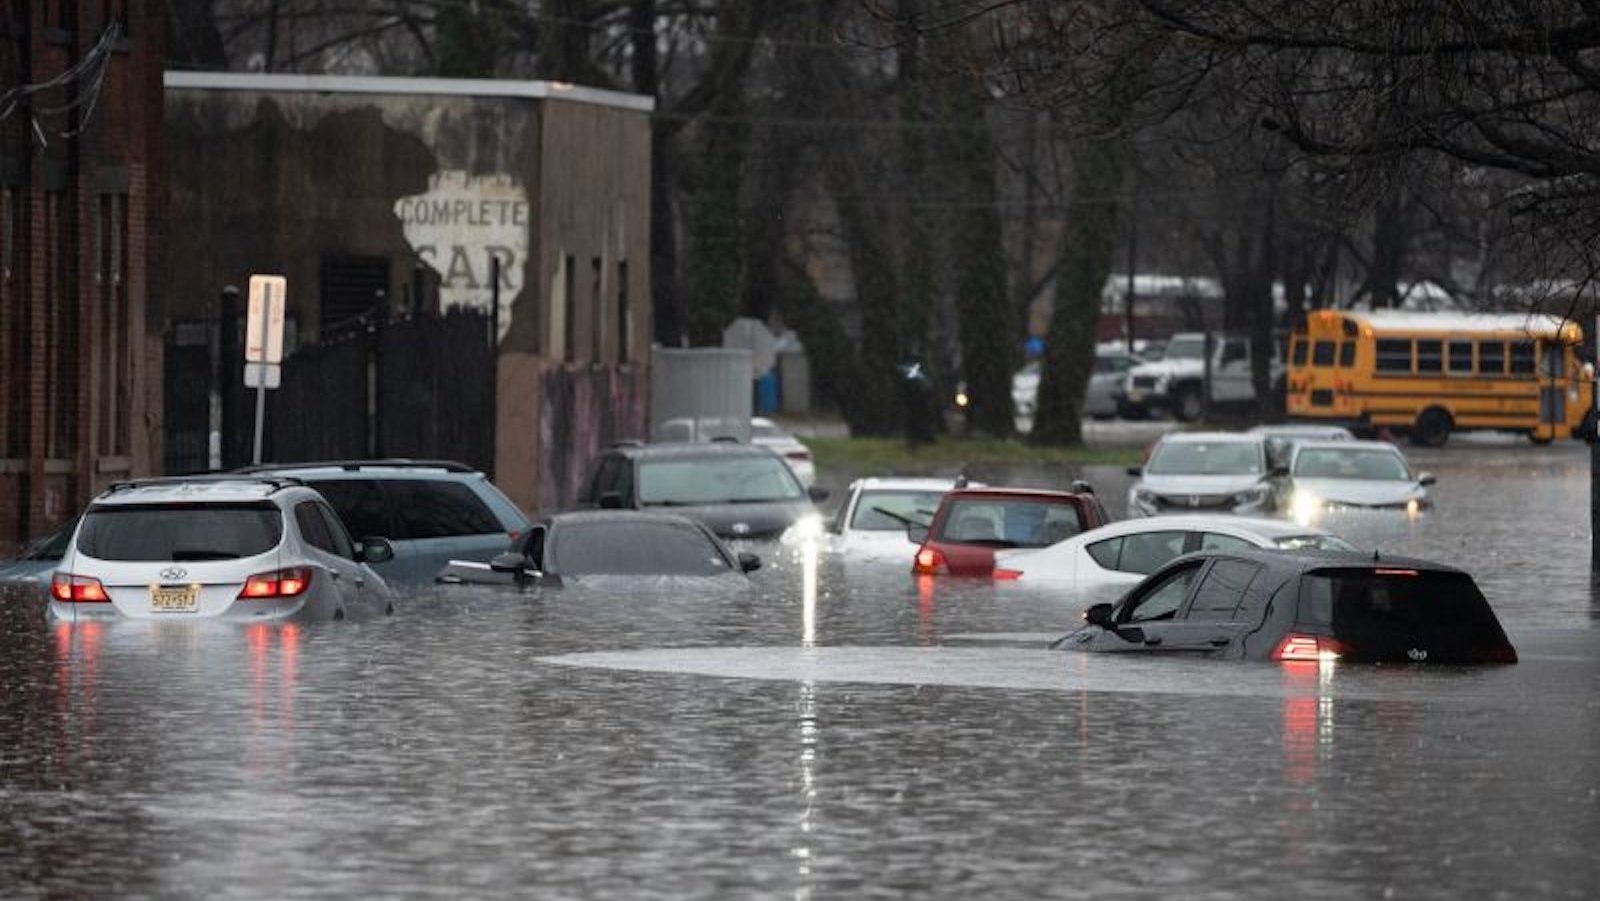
(1176, 382)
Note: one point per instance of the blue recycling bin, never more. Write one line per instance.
(767, 392)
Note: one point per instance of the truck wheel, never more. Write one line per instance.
(1432, 428)
(1187, 405)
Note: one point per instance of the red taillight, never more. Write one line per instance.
(77, 589)
(283, 583)
(930, 562)
(1007, 575)
(1308, 648)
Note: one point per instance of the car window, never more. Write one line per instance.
(427, 508)
(1216, 541)
(716, 480)
(892, 511)
(184, 531)
(1006, 522)
(360, 505)
(312, 527)
(1162, 600)
(1146, 552)
(1105, 552)
(1223, 590)
(342, 545)
(1340, 463)
(634, 549)
(1205, 458)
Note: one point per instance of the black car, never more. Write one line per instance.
(1301, 605)
(608, 543)
(740, 491)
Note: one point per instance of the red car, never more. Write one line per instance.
(971, 523)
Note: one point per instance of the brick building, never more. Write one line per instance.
(80, 139)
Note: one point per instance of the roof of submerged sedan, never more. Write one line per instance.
(1045, 494)
(1306, 560)
(690, 450)
(1264, 527)
(615, 516)
(1212, 437)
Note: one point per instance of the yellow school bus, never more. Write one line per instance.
(1428, 374)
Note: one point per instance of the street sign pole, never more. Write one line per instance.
(261, 384)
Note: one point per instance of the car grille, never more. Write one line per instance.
(1144, 381)
(1322, 397)
(1195, 502)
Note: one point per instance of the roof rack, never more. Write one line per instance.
(277, 483)
(357, 465)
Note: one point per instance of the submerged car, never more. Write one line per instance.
(972, 524)
(1204, 472)
(1333, 475)
(872, 522)
(766, 433)
(1281, 438)
(30, 571)
(244, 548)
(738, 490)
(608, 543)
(1301, 606)
(1103, 563)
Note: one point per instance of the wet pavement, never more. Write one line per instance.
(837, 732)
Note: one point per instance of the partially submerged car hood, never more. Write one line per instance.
(1361, 492)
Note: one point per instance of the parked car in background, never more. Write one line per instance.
(1204, 472)
(766, 433)
(432, 511)
(871, 524)
(30, 571)
(244, 548)
(1111, 365)
(971, 524)
(1295, 606)
(1176, 382)
(1102, 563)
(596, 544)
(739, 490)
(1332, 475)
(1282, 437)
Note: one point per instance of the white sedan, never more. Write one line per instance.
(1101, 564)
(871, 525)
(766, 433)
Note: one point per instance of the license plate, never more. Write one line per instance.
(174, 598)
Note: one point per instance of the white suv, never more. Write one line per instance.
(242, 548)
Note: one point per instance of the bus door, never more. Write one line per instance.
(1554, 380)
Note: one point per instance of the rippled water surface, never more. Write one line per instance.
(836, 732)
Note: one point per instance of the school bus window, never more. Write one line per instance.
(1298, 352)
(1550, 357)
(1394, 355)
(1429, 356)
(1347, 353)
(1322, 354)
(1492, 357)
(1460, 357)
(1522, 358)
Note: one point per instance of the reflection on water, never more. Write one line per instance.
(824, 734)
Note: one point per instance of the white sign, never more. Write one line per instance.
(263, 331)
(460, 227)
(263, 375)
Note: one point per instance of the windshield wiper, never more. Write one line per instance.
(904, 520)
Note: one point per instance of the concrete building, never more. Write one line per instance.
(525, 200)
(80, 192)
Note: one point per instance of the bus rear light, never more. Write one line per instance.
(73, 589)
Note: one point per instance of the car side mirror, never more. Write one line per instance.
(610, 500)
(375, 550)
(510, 562)
(1426, 479)
(1099, 615)
(817, 493)
(748, 562)
(1136, 471)
(916, 534)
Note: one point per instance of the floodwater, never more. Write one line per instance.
(837, 732)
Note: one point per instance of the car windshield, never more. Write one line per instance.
(1314, 543)
(1206, 458)
(631, 548)
(1341, 463)
(1007, 522)
(716, 480)
(892, 511)
(1190, 348)
(181, 531)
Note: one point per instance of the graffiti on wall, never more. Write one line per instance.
(460, 227)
